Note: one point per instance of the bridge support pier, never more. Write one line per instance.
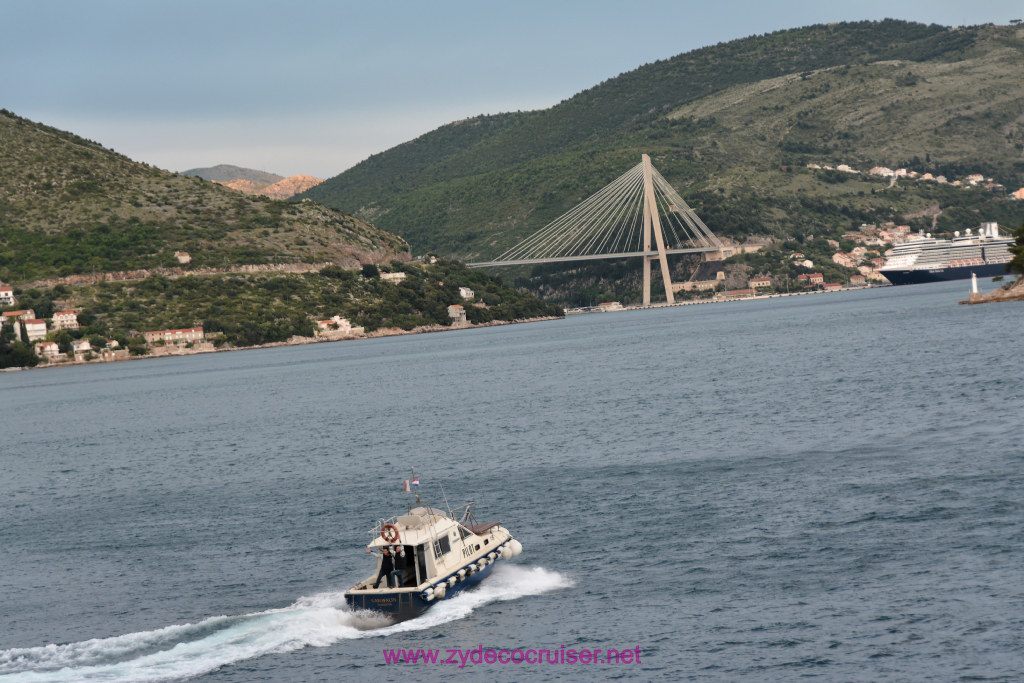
(652, 224)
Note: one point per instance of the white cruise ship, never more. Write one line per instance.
(928, 259)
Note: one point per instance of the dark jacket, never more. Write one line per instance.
(387, 564)
(399, 561)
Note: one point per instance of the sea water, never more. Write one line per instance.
(823, 486)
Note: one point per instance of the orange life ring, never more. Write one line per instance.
(389, 532)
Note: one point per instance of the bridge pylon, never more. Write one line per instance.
(652, 224)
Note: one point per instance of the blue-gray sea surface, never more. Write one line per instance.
(825, 486)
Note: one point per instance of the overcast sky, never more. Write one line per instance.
(316, 86)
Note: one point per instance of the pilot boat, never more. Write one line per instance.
(445, 553)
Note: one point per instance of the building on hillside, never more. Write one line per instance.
(857, 280)
(730, 250)
(708, 276)
(1019, 194)
(337, 326)
(11, 316)
(81, 346)
(393, 277)
(457, 313)
(844, 260)
(811, 279)
(759, 282)
(65, 320)
(183, 257)
(7, 296)
(832, 286)
(34, 329)
(48, 350)
(182, 336)
(466, 293)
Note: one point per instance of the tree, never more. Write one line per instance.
(63, 339)
(137, 346)
(1017, 264)
(17, 354)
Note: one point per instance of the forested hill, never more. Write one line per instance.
(733, 127)
(70, 206)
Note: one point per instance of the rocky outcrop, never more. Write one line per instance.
(243, 185)
(282, 189)
(1013, 291)
(289, 187)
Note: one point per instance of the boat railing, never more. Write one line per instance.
(465, 511)
(375, 531)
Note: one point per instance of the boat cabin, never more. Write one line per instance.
(435, 545)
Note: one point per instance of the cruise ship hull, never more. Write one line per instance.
(921, 276)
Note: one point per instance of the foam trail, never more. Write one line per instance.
(187, 650)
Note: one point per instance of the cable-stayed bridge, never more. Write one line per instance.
(638, 214)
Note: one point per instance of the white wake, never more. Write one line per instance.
(183, 651)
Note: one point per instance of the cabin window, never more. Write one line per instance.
(442, 546)
(464, 532)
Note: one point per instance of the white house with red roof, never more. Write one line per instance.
(11, 316)
(65, 320)
(335, 324)
(47, 349)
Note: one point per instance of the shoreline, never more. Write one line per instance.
(294, 341)
(714, 300)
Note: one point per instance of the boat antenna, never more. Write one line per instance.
(450, 513)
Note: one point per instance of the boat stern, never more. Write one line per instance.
(397, 605)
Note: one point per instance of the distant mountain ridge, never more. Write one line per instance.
(733, 127)
(224, 173)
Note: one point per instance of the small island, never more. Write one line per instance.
(1012, 291)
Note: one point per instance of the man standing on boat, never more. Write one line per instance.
(387, 565)
(398, 574)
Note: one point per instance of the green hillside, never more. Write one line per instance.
(733, 128)
(68, 206)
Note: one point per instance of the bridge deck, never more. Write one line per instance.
(588, 257)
